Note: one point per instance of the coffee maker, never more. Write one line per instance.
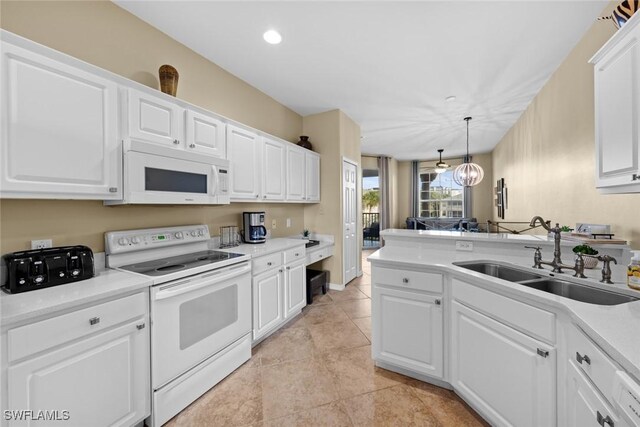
(253, 229)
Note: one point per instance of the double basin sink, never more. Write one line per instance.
(551, 285)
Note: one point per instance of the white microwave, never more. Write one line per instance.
(158, 175)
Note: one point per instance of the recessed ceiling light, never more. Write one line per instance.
(272, 37)
(450, 98)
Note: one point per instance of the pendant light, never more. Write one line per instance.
(468, 174)
(441, 166)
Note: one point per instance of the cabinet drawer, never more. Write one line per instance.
(593, 361)
(407, 279)
(39, 336)
(532, 320)
(319, 255)
(266, 262)
(294, 254)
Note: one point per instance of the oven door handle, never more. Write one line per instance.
(207, 279)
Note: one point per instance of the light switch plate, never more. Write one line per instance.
(41, 244)
(274, 224)
(464, 245)
(288, 222)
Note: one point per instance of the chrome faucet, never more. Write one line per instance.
(557, 261)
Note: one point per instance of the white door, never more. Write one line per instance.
(274, 156)
(268, 300)
(296, 180)
(313, 176)
(154, 119)
(408, 330)
(585, 406)
(295, 289)
(205, 134)
(101, 381)
(350, 213)
(507, 375)
(243, 151)
(59, 130)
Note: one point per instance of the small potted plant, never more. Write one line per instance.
(590, 260)
(306, 234)
(566, 230)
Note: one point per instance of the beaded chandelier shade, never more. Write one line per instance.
(468, 174)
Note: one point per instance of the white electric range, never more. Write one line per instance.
(200, 305)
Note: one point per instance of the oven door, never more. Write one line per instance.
(194, 318)
(151, 178)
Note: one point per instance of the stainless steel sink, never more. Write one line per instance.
(578, 292)
(563, 288)
(500, 271)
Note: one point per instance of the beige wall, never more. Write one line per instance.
(547, 159)
(105, 35)
(403, 205)
(334, 135)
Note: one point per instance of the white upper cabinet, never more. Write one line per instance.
(312, 172)
(154, 119)
(205, 134)
(617, 111)
(243, 151)
(59, 129)
(273, 169)
(296, 178)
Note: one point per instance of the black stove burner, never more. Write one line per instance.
(160, 267)
(171, 267)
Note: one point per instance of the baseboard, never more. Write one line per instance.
(336, 287)
(406, 372)
(359, 274)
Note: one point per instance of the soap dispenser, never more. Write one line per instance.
(633, 271)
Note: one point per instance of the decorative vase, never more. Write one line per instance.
(168, 79)
(304, 142)
(623, 12)
(590, 262)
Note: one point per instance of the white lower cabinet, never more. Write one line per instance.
(408, 330)
(585, 406)
(268, 297)
(295, 288)
(279, 290)
(507, 375)
(100, 379)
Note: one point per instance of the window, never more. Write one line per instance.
(439, 195)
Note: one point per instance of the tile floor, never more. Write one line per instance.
(317, 371)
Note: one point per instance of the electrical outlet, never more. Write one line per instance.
(288, 222)
(274, 224)
(465, 246)
(41, 244)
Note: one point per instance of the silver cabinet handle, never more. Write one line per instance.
(542, 352)
(288, 268)
(405, 280)
(269, 264)
(257, 196)
(635, 177)
(280, 270)
(603, 420)
(320, 256)
(113, 189)
(94, 321)
(192, 145)
(264, 197)
(584, 359)
(438, 302)
(140, 326)
(175, 141)
(297, 254)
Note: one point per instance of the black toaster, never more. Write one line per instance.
(42, 268)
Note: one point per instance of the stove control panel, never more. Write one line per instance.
(135, 240)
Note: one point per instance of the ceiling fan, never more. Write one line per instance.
(440, 165)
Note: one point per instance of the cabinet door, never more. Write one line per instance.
(584, 402)
(273, 162)
(268, 299)
(59, 130)
(617, 100)
(408, 330)
(102, 380)
(154, 119)
(205, 134)
(507, 375)
(295, 289)
(313, 177)
(296, 179)
(243, 151)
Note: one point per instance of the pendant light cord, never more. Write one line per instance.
(466, 159)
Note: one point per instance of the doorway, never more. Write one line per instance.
(370, 209)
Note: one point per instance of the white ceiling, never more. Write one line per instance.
(389, 65)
